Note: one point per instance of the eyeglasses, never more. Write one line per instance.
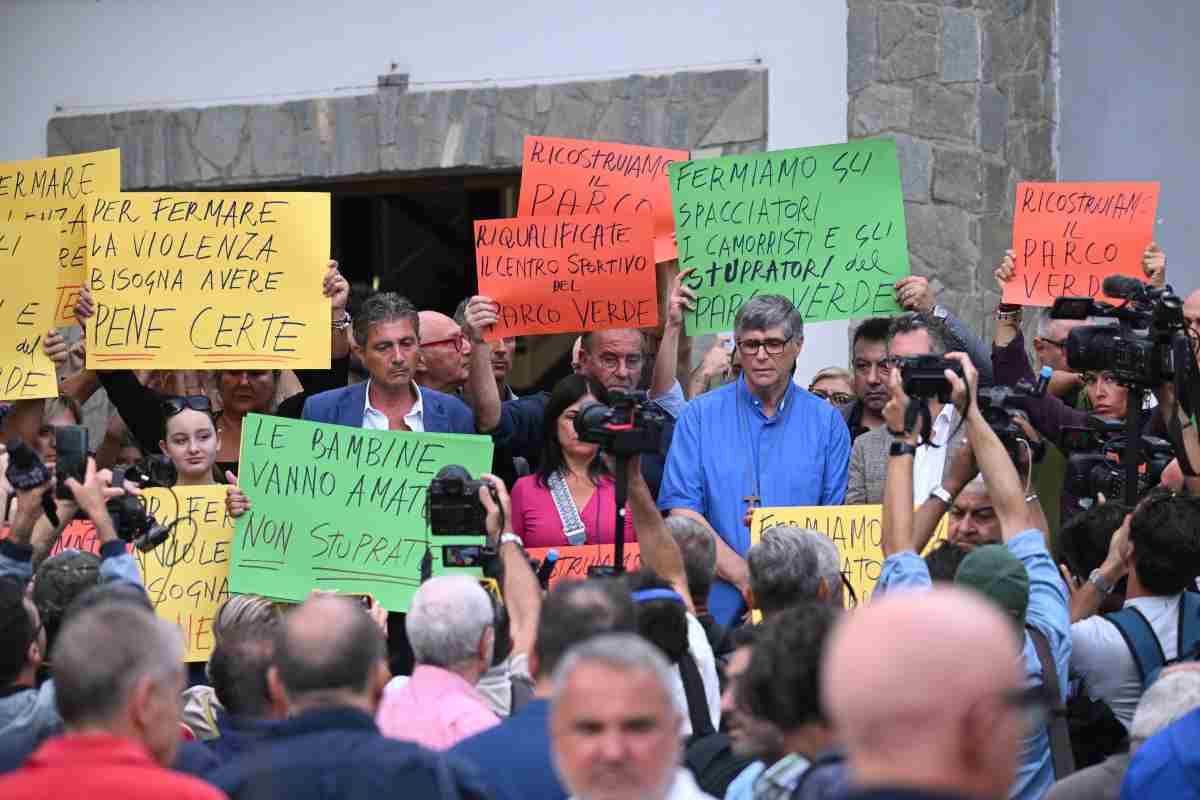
(457, 341)
(774, 347)
(840, 398)
(632, 362)
(176, 405)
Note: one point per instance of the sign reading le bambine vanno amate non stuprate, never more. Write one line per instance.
(340, 508)
(823, 226)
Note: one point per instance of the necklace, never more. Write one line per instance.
(753, 499)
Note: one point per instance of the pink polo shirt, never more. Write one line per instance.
(435, 708)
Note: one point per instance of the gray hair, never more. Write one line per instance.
(787, 565)
(699, 550)
(911, 323)
(103, 652)
(384, 307)
(1166, 700)
(625, 651)
(448, 616)
(766, 311)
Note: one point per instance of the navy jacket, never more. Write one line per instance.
(339, 754)
(441, 412)
(237, 736)
(515, 756)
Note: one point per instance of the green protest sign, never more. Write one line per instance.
(823, 226)
(339, 508)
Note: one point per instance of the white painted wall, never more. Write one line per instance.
(88, 55)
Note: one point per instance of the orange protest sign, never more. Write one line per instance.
(566, 177)
(567, 274)
(1069, 237)
(573, 562)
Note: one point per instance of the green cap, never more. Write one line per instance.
(995, 572)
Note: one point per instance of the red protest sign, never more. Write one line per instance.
(567, 274)
(573, 562)
(1069, 237)
(566, 177)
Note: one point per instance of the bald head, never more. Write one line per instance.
(328, 645)
(444, 363)
(936, 666)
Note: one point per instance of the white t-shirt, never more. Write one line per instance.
(1100, 656)
(930, 462)
(706, 663)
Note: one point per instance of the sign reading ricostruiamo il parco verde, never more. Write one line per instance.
(64, 192)
(1069, 237)
(567, 274)
(210, 280)
(340, 508)
(823, 226)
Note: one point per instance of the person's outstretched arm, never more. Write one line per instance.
(897, 513)
(659, 551)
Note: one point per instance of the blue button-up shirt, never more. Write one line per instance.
(1048, 611)
(802, 455)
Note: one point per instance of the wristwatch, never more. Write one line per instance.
(1101, 583)
(343, 323)
(941, 494)
(902, 449)
(940, 312)
(1008, 313)
(509, 536)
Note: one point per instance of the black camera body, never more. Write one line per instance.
(1090, 474)
(998, 410)
(1148, 346)
(453, 505)
(131, 520)
(924, 376)
(627, 427)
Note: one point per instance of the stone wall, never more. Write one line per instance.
(400, 132)
(968, 89)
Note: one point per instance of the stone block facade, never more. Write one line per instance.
(398, 132)
(968, 90)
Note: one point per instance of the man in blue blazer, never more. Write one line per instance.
(386, 339)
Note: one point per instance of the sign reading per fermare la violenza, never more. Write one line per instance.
(340, 508)
(823, 226)
(207, 280)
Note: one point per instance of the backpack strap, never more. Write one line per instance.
(1188, 648)
(1061, 753)
(693, 690)
(1142, 642)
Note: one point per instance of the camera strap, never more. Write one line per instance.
(568, 512)
(1175, 430)
(917, 411)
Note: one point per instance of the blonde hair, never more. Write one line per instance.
(831, 372)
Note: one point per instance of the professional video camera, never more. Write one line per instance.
(924, 376)
(1148, 347)
(996, 405)
(627, 427)
(453, 508)
(1099, 472)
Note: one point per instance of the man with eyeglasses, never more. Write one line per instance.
(613, 358)
(387, 340)
(760, 441)
(445, 355)
(1018, 577)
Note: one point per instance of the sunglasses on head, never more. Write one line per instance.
(175, 405)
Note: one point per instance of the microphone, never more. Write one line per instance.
(1124, 287)
(1043, 382)
(546, 569)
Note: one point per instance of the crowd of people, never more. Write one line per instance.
(1045, 646)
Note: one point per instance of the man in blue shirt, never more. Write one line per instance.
(514, 757)
(762, 441)
(1046, 608)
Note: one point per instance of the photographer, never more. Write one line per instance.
(28, 714)
(1020, 576)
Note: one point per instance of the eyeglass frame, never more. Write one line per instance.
(175, 404)
(610, 361)
(458, 342)
(780, 344)
(839, 398)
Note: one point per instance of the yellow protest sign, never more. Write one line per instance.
(28, 254)
(187, 576)
(64, 192)
(207, 280)
(856, 530)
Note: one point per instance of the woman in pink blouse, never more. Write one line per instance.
(570, 500)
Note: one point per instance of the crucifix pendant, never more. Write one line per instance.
(751, 501)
